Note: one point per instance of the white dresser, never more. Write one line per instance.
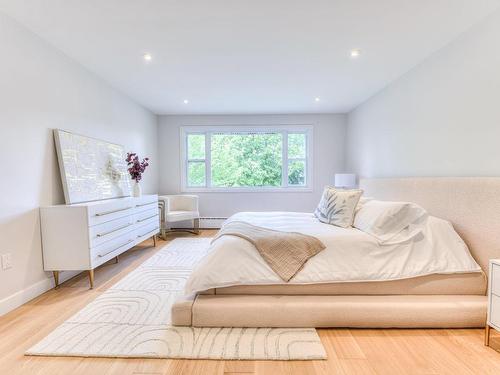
(84, 236)
(493, 299)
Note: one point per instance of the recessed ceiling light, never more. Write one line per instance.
(355, 53)
(185, 101)
(317, 99)
(147, 57)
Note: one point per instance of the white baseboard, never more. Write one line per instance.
(27, 294)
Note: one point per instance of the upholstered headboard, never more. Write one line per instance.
(472, 204)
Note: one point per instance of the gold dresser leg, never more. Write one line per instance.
(487, 335)
(117, 259)
(56, 278)
(91, 279)
(154, 240)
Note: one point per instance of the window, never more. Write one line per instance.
(240, 158)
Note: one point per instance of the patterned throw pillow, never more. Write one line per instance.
(337, 206)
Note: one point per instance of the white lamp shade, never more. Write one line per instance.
(345, 180)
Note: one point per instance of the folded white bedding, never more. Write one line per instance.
(350, 255)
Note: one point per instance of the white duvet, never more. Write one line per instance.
(350, 255)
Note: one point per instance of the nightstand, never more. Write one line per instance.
(493, 320)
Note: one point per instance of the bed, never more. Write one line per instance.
(449, 293)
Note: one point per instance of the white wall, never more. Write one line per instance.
(328, 145)
(42, 89)
(440, 119)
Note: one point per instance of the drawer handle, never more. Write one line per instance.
(114, 230)
(142, 235)
(116, 248)
(112, 212)
(147, 218)
(145, 204)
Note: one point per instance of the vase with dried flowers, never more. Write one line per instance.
(136, 168)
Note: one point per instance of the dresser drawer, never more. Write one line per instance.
(141, 207)
(146, 202)
(495, 279)
(142, 217)
(104, 232)
(104, 252)
(104, 212)
(148, 222)
(146, 231)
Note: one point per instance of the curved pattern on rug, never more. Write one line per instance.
(132, 319)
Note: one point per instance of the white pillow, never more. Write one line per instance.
(361, 203)
(337, 207)
(390, 221)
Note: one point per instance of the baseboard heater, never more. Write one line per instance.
(205, 223)
(211, 222)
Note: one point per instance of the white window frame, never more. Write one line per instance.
(283, 129)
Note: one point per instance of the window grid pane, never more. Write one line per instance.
(196, 174)
(246, 159)
(296, 145)
(196, 146)
(297, 172)
(196, 162)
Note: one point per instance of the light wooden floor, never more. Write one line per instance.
(350, 351)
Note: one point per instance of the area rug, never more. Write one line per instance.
(132, 320)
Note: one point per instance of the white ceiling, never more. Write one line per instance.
(248, 56)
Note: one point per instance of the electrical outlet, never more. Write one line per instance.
(6, 261)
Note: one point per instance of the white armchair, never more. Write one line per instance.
(175, 208)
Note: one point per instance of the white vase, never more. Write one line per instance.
(137, 190)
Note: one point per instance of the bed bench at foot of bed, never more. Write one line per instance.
(356, 311)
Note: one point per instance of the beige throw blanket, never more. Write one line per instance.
(285, 252)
